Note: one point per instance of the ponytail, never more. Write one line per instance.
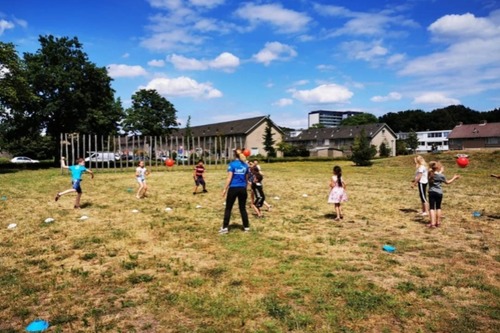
(338, 172)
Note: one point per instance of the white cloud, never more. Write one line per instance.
(435, 98)
(183, 63)
(468, 65)
(207, 3)
(300, 83)
(171, 40)
(364, 51)
(274, 51)
(156, 63)
(383, 23)
(323, 94)
(396, 59)
(182, 87)
(4, 25)
(126, 55)
(285, 20)
(392, 96)
(224, 61)
(120, 70)
(283, 102)
(466, 26)
(325, 68)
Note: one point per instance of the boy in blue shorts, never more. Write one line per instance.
(76, 177)
(199, 177)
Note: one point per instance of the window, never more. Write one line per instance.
(434, 135)
(492, 141)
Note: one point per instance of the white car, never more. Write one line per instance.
(23, 159)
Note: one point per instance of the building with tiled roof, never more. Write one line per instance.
(475, 136)
(336, 142)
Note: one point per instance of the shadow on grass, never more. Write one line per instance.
(408, 210)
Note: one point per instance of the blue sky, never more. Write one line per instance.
(219, 60)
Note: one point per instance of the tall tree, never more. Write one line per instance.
(362, 150)
(359, 119)
(412, 140)
(73, 94)
(19, 134)
(150, 114)
(268, 140)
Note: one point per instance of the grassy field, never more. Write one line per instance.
(298, 270)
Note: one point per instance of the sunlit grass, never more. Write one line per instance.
(298, 270)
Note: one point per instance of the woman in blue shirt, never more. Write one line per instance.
(236, 188)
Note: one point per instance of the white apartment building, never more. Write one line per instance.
(428, 139)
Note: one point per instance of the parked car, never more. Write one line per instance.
(23, 159)
(182, 159)
(103, 156)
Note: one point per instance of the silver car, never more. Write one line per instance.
(23, 159)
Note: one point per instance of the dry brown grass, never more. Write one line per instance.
(297, 270)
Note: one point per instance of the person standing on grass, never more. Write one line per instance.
(140, 175)
(236, 188)
(258, 191)
(436, 179)
(421, 179)
(256, 164)
(199, 176)
(76, 177)
(338, 192)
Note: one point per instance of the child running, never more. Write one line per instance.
(338, 192)
(140, 174)
(76, 177)
(436, 179)
(199, 177)
(258, 191)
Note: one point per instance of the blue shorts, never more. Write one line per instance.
(76, 185)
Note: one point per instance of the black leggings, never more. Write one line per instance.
(232, 194)
(435, 200)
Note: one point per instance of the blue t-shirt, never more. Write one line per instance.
(77, 171)
(239, 170)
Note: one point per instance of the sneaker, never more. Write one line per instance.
(246, 229)
(57, 197)
(223, 231)
(424, 214)
(194, 193)
(205, 191)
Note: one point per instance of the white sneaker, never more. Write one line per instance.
(424, 214)
(223, 231)
(246, 229)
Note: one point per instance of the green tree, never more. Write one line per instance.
(362, 150)
(318, 125)
(359, 119)
(16, 98)
(401, 147)
(150, 114)
(384, 150)
(268, 140)
(73, 94)
(412, 141)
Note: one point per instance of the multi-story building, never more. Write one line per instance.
(329, 118)
(427, 140)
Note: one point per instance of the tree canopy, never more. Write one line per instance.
(54, 90)
(359, 119)
(150, 114)
(439, 119)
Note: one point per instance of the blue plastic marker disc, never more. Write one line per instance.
(388, 248)
(37, 325)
